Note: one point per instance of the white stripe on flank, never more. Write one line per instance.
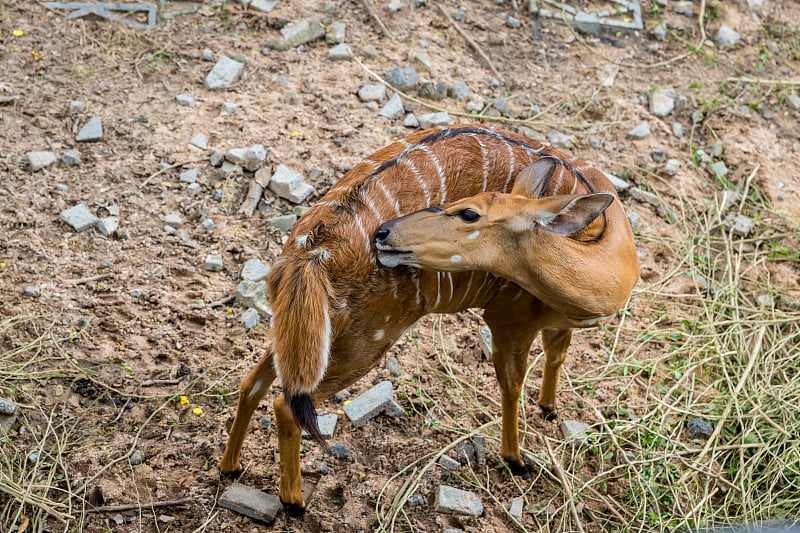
(439, 170)
(438, 291)
(363, 231)
(371, 204)
(421, 181)
(480, 289)
(485, 166)
(469, 286)
(511, 166)
(450, 278)
(391, 198)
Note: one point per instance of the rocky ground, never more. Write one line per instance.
(128, 157)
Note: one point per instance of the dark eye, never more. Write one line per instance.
(468, 215)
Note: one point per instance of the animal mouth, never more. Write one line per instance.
(390, 257)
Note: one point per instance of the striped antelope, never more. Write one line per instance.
(525, 234)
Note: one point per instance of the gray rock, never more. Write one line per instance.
(573, 430)
(184, 99)
(250, 502)
(640, 131)
(92, 131)
(697, 428)
(684, 8)
(300, 210)
(393, 108)
(194, 189)
(657, 154)
(33, 291)
(671, 167)
(216, 158)
(289, 185)
(379, 399)
(465, 452)
(485, 340)
(255, 270)
(208, 225)
(253, 294)
(229, 107)
(335, 33)
(323, 469)
(207, 55)
(236, 156)
(640, 195)
(662, 102)
(79, 217)
(61, 187)
(697, 116)
(416, 500)
(301, 32)
(677, 130)
(440, 118)
(265, 6)
(727, 36)
(411, 121)
(480, 449)
(266, 423)
(372, 92)
(459, 91)
(394, 367)
(730, 197)
(225, 72)
(421, 57)
(32, 459)
(456, 501)
(716, 148)
(136, 293)
(340, 52)
(449, 463)
(213, 262)
(173, 220)
(435, 91)
(340, 451)
(9, 411)
(633, 218)
(794, 101)
(557, 138)
(513, 22)
(76, 106)
(250, 318)
(71, 158)
(40, 160)
(136, 458)
(402, 78)
(660, 31)
(740, 224)
(199, 141)
(369, 51)
(516, 507)
(619, 184)
(254, 156)
(108, 226)
(531, 133)
(189, 176)
(719, 169)
(327, 425)
(283, 222)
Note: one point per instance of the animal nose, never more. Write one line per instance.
(382, 234)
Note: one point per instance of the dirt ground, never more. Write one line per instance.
(121, 362)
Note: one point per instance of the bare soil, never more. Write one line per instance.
(111, 367)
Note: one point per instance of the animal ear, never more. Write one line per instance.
(533, 179)
(568, 214)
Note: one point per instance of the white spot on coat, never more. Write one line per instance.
(456, 259)
(473, 235)
(378, 335)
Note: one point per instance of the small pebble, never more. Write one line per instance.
(136, 458)
(76, 106)
(184, 100)
(250, 318)
(213, 262)
(71, 158)
(697, 428)
(136, 293)
(33, 459)
(199, 141)
(266, 423)
(208, 55)
(173, 220)
(340, 451)
(189, 176)
(208, 225)
(229, 107)
(33, 291)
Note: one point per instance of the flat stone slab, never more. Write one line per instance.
(40, 160)
(327, 425)
(379, 399)
(289, 185)
(9, 411)
(79, 217)
(255, 270)
(92, 131)
(225, 72)
(574, 430)
(456, 501)
(250, 502)
(485, 339)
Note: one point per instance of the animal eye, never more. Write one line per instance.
(468, 215)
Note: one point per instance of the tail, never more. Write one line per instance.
(301, 335)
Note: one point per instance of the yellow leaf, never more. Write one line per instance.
(184, 400)
(18, 33)
(198, 410)
(295, 134)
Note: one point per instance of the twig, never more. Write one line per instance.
(376, 18)
(469, 39)
(762, 81)
(176, 165)
(121, 411)
(139, 506)
(152, 382)
(90, 279)
(228, 299)
(564, 485)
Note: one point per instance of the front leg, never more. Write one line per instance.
(555, 343)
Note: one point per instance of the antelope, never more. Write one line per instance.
(441, 221)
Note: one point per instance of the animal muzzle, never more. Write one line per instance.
(392, 252)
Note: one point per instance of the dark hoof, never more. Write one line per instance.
(549, 414)
(519, 470)
(233, 474)
(294, 510)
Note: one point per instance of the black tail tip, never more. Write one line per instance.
(305, 415)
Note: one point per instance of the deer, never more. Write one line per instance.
(443, 220)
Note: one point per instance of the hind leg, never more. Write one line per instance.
(513, 330)
(555, 343)
(253, 388)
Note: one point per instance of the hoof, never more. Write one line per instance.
(519, 470)
(232, 474)
(294, 510)
(548, 413)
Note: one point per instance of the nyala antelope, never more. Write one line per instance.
(441, 221)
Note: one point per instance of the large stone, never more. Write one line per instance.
(393, 108)
(335, 33)
(340, 52)
(255, 270)
(372, 92)
(379, 399)
(326, 424)
(727, 36)
(91, 132)
(573, 430)
(289, 185)
(225, 72)
(640, 131)
(430, 120)
(9, 411)
(300, 32)
(662, 102)
(456, 501)
(40, 160)
(79, 217)
(250, 502)
(402, 78)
